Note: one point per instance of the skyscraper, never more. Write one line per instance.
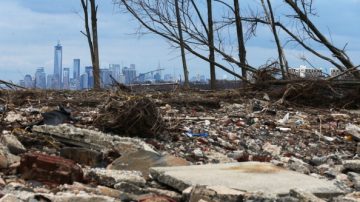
(130, 74)
(66, 78)
(40, 78)
(105, 78)
(115, 71)
(28, 82)
(57, 77)
(76, 69)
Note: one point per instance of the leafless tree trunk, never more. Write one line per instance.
(270, 18)
(92, 38)
(182, 46)
(211, 45)
(240, 37)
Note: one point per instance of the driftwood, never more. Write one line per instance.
(10, 85)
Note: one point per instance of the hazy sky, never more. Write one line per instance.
(29, 30)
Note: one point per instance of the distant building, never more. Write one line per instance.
(22, 83)
(57, 77)
(76, 69)
(84, 83)
(157, 77)
(49, 81)
(305, 72)
(122, 78)
(66, 78)
(90, 75)
(336, 72)
(105, 78)
(40, 78)
(28, 82)
(115, 71)
(130, 74)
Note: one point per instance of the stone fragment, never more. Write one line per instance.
(304, 196)
(154, 198)
(9, 198)
(355, 179)
(13, 144)
(298, 165)
(6, 158)
(111, 177)
(142, 160)
(2, 183)
(246, 176)
(49, 169)
(353, 130)
(352, 165)
(83, 156)
(214, 194)
(272, 149)
(91, 139)
(13, 116)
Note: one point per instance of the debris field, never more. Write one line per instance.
(228, 145)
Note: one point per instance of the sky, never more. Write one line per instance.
(29, 30)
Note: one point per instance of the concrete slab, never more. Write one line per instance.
(246, 176)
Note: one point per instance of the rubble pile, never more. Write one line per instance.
(193, 146)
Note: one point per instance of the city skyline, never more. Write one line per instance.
(32, 27)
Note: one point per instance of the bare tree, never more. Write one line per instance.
(92, 38)
(182, 46)
(240, 37)
(211, 45)
(270, 18)
(159, 17)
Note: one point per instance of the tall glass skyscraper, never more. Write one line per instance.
(66, 78)
(76, 69)
(57, 77)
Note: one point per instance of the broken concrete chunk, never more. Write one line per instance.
(142, 160)
(246, 176)
(7, 158)
(353, 130)
(304, 196)
(272, 149)
(352, 165)
(213, 194)
(10, 198)
(91, 139)
(13, 144)
(13, 116)
(49, 169)
(111, 177)
(355, 179)
(298, 165)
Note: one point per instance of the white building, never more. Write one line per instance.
(305, 72)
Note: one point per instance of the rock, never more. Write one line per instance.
(246, 176)
(83, 156)
(154, 198)
(79, 197)
(9, 198)
(298, 165)
(355, 179)
(111, 177)
(13, 144)
(352, 165)
(353, 130)
(272, 149)
(214, 194)
(217, 157)
(91, 139)
(6, 158)
(352, 197)
(316, 160)
(13, 116)
(198, 153)
(49, 169)
(2, 183)
(304, 196)
(142, 160)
